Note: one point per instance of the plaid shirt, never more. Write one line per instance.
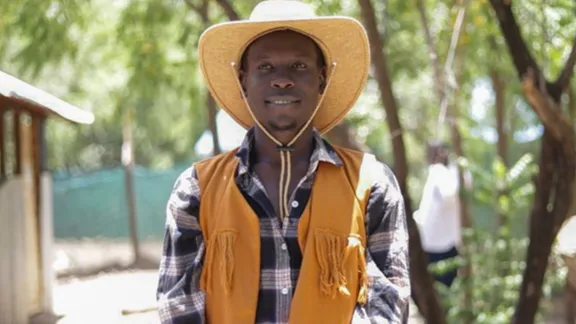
(179, 297)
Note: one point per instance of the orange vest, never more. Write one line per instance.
(331, 236)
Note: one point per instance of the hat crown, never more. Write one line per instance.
(281, 10)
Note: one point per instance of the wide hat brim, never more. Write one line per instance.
(343, 40)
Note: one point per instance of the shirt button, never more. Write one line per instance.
(295, 204)
(284, 246)
(284, 291)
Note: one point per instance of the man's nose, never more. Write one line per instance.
(282, 83)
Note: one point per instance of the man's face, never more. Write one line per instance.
(283, 79)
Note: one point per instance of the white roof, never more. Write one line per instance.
(15, 88)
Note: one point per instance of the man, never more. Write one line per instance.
(438, 216)
(287, 228)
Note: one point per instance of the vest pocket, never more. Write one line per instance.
(219, 253)
(336, 254)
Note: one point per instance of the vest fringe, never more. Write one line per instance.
(362, 277)
(226, 242)
(330, 251)
(223, 242)
(206, 278)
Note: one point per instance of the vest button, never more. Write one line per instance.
(295, 204)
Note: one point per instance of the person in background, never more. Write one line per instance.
(438, 216)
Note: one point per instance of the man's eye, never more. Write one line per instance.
(264, 66)
(300, 65)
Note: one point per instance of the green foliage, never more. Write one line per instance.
(496, 257)
(34, 33)
(115, 57)
(498, 268)
(550, 32)
(127, 56)
(508, 191)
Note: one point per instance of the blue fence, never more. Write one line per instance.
(95, 205)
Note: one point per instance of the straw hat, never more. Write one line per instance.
(343, 41)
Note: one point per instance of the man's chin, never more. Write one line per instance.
(283, 127)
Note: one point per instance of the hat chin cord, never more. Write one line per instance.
(285, 149)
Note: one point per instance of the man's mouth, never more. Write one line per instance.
(282, 101)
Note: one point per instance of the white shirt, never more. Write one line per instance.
(438, 217)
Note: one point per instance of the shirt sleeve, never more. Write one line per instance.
(178, 294)
(387, 253)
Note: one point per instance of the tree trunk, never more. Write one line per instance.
(554, 183)
(229, 10)
(421, 281)
(554, 179)
(438, 76)
(465, 217)
(343, 135)
(502, 144)
(128, 163)
(201, 10)
(572, 105)
(212, 125)
(442, 93)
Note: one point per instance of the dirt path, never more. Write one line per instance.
(103, 298)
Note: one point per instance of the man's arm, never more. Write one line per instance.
(387, 253)
(179, 297)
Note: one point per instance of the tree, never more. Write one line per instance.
(202, 10)
(555, 180)
(422, 282)
(443, 91)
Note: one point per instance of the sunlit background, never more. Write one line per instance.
(132, 113)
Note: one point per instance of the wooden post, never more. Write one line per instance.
(128, 162)
(2, 144)
(27, 155)
(36, 124)
(16, 130)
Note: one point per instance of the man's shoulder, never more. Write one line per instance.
(378, 173)
(383, 179)
(349, 157)
(215, 159)
(345, 150)
(190, 174)
(209, 165)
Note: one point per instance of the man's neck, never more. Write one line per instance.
(266, 151)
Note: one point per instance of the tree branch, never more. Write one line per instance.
(538, 92)
(548, 112)
(432, 50)
(564, 77)
(201, 10)
(521, 56)
(192, 6)
(451, 83)
(228, 9)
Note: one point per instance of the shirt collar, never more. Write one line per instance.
(323, 152)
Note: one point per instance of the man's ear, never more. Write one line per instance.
(322, 78)
(242, 77)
